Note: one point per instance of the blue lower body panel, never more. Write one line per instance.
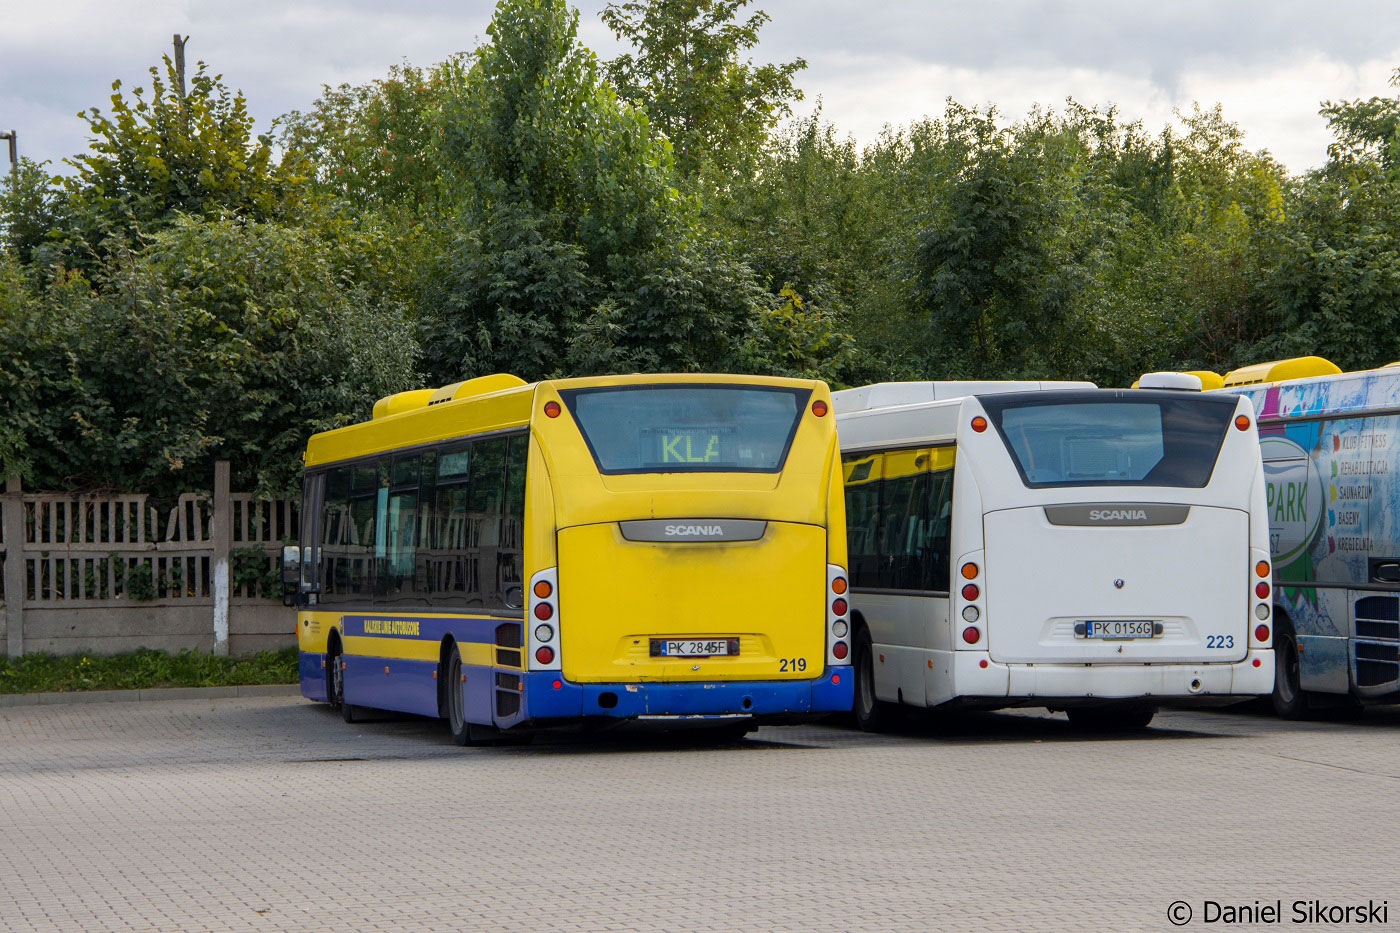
(380, 683)
(832, 692)
(313, 675)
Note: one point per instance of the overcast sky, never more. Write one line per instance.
(872, 62)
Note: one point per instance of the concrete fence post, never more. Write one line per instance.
(14, 567)
(221, 534)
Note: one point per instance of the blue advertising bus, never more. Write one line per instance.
(1329, 442)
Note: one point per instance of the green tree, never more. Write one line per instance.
(376, 145)
(687, 71)
(222, 338)
(1331, 272)
(32, 207)
(152, 159)
(574, 251)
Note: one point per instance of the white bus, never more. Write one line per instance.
(1088, 550)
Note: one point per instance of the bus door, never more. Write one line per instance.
(1110, 534)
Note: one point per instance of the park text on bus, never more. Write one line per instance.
(658, 548)
(1055, 545)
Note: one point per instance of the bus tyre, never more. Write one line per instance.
(463, 733)
(335, 677)
(872, 714)
(1120, 717)
(1290, 702)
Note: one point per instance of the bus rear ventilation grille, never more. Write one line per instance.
(1369, 628)
(507, 704)
(510, 635)
(1376, 673)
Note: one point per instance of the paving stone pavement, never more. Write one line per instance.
(269, 813)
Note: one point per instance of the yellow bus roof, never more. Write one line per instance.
(501, 402)
(1302, 367)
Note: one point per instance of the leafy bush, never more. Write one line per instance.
(43, 673)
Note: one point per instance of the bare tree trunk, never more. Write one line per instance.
(180, 66)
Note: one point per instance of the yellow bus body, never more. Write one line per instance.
(616, 595)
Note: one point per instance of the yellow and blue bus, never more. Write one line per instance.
(668, 549)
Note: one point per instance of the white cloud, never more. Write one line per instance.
(1269, 62)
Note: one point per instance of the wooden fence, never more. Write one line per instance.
(108, 573)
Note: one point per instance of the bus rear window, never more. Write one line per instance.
(687, 428)
(1112, 441)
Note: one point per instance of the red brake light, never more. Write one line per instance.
(838, 651)
(543, 611)
(971, 591)
(1242, 422)
(971, 635)
(979, 424)
(1261, 633)
(1261, 589)
(839, 607)
(552, 409)
(544, 654)
(819, 408)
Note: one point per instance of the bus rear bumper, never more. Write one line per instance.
(832, 692)
(1252, 676)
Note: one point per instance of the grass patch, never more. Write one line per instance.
(46, 673)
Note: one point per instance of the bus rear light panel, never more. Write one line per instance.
(838, 616)
(543, 620)
(971, 612)
(1261, 625)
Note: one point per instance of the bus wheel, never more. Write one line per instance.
(1290, 702)
(463, 732)
(872, 715)
(456, 706)
(335, 678)
(1120, 717)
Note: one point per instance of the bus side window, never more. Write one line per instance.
(486, 511)
(445, 530)
(400, 531)
(338, 541)
(312, 487)
(362, 552)
(1384, 493)
(863, 472)
(937, 564)
(511, 558)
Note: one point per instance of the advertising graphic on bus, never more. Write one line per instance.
(511, 557)
(1329, 443)
(1054, 545)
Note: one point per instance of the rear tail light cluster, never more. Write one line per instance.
(971, 610)
(838, 616)
(1262, 592)
(544, 620)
